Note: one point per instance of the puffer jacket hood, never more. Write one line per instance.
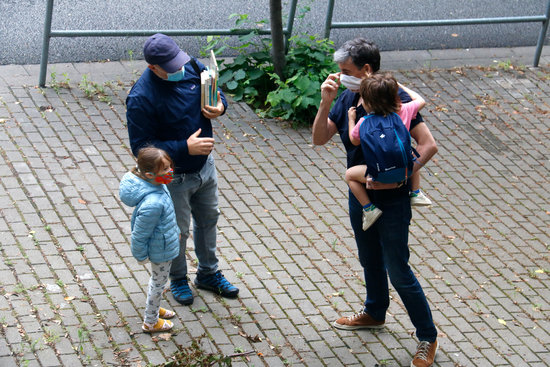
(133, 189)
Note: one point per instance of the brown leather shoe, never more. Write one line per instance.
(360, 320)
(425, 354)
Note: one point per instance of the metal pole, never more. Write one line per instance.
(46, 43)
(145, 33)
(328, 20)
(290, 23)
(438, 22)
(542, 36)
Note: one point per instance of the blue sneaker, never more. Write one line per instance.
(181, 291)
(217, 283)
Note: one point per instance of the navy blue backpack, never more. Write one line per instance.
(386, 145)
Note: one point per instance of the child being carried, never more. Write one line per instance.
(379, 96)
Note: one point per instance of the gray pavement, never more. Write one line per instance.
(71, 294)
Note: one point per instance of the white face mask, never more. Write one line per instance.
(350, 82)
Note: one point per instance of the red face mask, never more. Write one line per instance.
(165, 178)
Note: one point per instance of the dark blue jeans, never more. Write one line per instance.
(384, 250)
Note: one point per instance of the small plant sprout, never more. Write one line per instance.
(19, 288)
(56, 84)
(50, 336)
(82, 337)
(203, 309)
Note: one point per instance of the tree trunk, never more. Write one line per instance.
(277, 38)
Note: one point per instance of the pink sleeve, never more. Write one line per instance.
(408, 112)
(355, 131)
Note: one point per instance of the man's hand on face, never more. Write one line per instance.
(200, 146)
(329, 88)
(212, 112)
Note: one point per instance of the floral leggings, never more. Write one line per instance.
(159, 277)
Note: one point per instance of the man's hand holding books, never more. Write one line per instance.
(212, 112)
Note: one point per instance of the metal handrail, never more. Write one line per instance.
(445, 22)
(49, 33)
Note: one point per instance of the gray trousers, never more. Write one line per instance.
(196, 195)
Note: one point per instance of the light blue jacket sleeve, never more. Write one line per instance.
(146, 221)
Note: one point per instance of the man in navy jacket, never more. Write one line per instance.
(383, 248)
(163, 110)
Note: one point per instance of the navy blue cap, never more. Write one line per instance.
(161, 50)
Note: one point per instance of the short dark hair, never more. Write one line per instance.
(379, 93)
(361, 51)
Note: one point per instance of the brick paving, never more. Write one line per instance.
(71, 294)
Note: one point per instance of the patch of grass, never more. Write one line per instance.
(56, 84)
(508, 65)
(195, 356)
(203, 309)
(92, 89)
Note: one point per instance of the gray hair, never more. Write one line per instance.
(361, 52)
(341, 55)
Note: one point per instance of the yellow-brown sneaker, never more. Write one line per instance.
(160, 326)
(166, 314)
(360, 320)
(425, 354)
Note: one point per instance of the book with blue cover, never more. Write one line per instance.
(209, 83)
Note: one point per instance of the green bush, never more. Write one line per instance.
(250, 76)
(309, 61)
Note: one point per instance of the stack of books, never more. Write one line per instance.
(209, 83)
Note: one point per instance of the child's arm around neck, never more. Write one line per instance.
(352, 113)
(414, 96)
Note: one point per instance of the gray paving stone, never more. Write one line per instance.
(70, 360)
(47, 357)
(286, 232)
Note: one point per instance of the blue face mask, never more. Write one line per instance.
(177, 76)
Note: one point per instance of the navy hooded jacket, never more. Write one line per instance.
(165, 114)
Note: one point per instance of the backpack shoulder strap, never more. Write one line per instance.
(195, 66)
(356, 99)
(368, 115)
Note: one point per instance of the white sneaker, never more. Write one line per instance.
(370, 216)
(420, 199)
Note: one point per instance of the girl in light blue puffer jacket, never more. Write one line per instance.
(155, 233)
